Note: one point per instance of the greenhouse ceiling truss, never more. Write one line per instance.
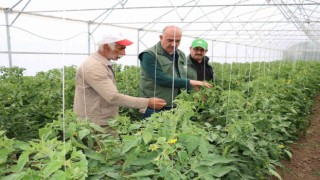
(270, 24)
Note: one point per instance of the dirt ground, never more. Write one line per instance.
(305, 162)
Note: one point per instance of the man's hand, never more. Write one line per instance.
(156, 103)
(196, 84)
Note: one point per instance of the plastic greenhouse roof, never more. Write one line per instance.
(276, 24)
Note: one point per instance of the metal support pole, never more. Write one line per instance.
(300, 51)
(313, 51)
(305, 53)
(253, 58)
(7, 10)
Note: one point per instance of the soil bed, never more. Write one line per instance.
(305, 162)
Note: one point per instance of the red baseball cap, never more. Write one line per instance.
(124, 42)
(115, 37)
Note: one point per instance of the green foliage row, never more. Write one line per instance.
(258, 117)
(27, 103)
(240, 129)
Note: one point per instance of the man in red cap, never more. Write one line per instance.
(96, 95)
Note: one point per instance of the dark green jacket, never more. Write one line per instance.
(156, 79)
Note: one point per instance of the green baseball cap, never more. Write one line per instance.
(199, 43)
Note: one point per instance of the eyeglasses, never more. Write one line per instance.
(198, 49)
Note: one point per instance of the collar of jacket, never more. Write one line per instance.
(102, 59)
(206, 59)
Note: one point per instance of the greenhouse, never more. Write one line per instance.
(265, 56)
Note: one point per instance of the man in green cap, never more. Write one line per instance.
(197, 62)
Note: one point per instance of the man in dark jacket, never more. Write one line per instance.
(198, 63)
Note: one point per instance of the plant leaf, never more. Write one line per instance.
(273, 172)
(142, 173)
(82, 133)
(147, 136)
(23, 159)
(52, 167)
(129, 142)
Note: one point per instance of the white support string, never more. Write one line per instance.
(174, 65)
(248, 83)
(63, 110)
(269, 64)
(259, 60)
(84, 95)
(212, 55)
(155, 72)
(230, 80)
(239, 66)
(264, 62)
(186, 67)
(63, 98)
